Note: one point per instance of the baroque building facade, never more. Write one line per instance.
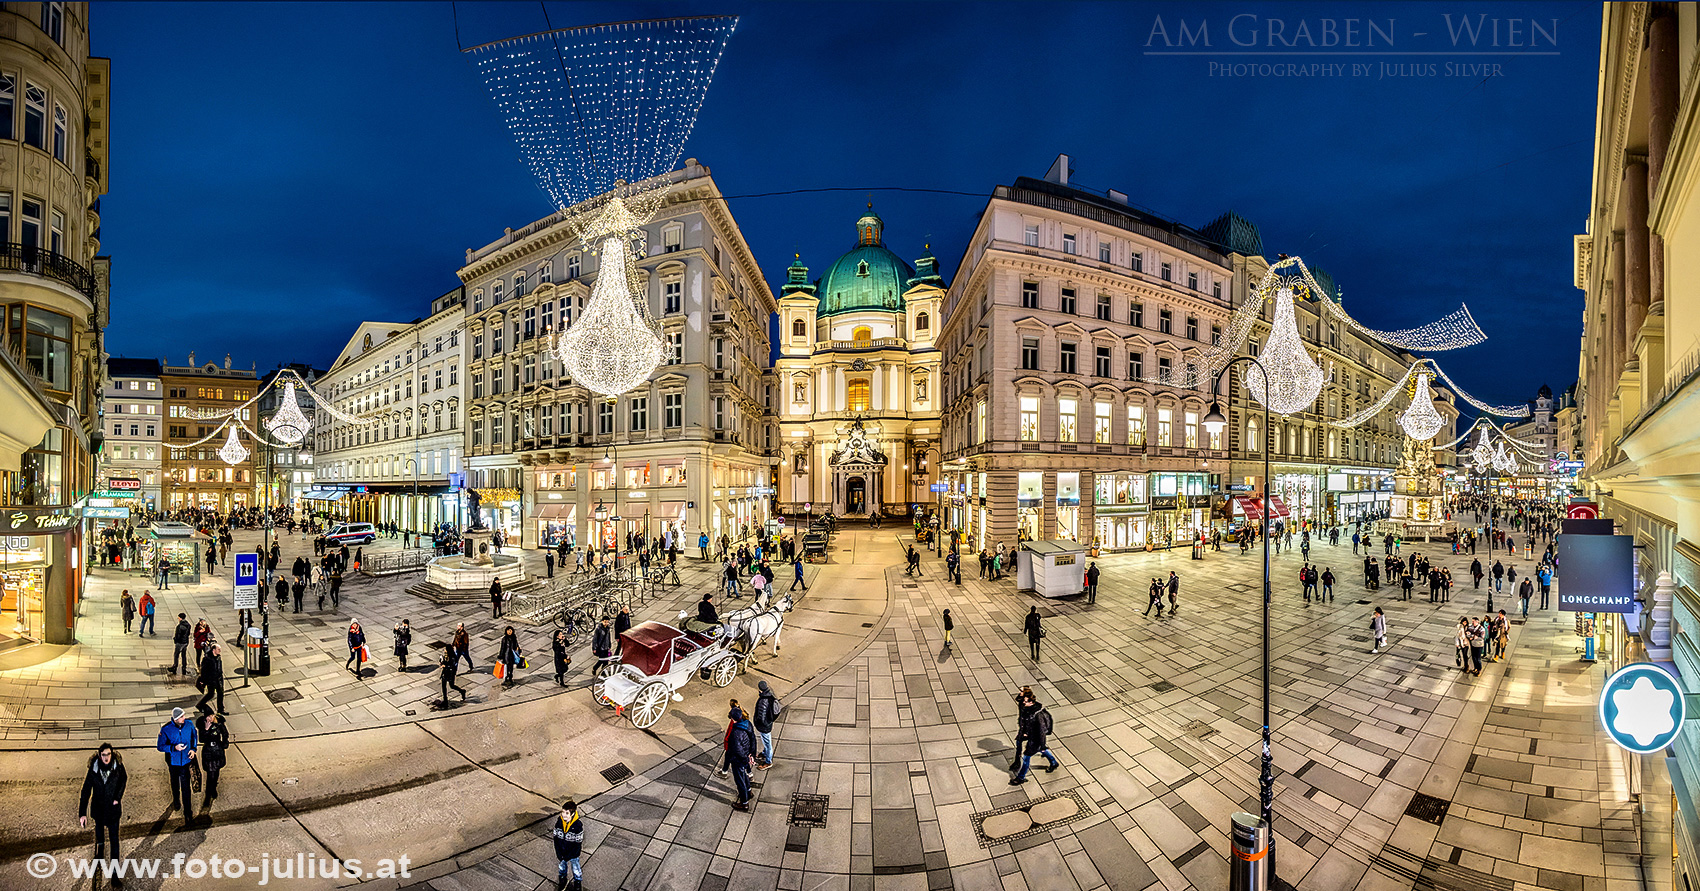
(856, 394)
(685, 454)
(193, 474)
(400, 463)
(54, 293)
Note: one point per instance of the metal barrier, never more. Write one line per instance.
(396, 562)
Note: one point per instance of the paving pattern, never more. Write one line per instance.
(1395, 770)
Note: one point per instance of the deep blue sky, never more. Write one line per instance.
(281, 172)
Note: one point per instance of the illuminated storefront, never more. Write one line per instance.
(41, 575)
(1120, 504)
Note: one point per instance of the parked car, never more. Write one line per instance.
(353, 533)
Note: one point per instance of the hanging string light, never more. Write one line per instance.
(1504, 411)
(1420, 421)
(1295, 380)
(233, 452)
(288, 423)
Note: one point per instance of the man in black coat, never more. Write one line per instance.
(1092, 583)
(212, 679)
(1034, 631)
(103, 799)
(180, 644)
(741, 756)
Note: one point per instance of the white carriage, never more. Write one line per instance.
(656, 660)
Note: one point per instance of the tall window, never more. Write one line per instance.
(1103, 307)
(672, 296)
(1030, 236)
(56, 233)
(672, 239)
(1069, 243)
(799, 328)
(1101, 362)
(1192, 280)
(546, 272)
(8, 106)
(673, 410)
(1030, 353)
(1101, 422)
(1253, 443)
(640, 414)
(496, 338)
(1168, 272)
(1065, 358)
(1165, 424)
(923, 322)
(1103, 251)
(59, 131)
(496, 292)
(1215, 335)
(1136, 315)
(1136, 425)
(31, 229)
(1165, 370)
(1029, 419)
(1067, 420)
(53, 21)
(604, 417)
(530, 315)
(519, 284)
(1216, 290)
(572, 266)
(858, 395)
(1067, 302)
(1137, 261)
(1190, 431)
(1030, 295)
(1166, 321)
(676, 348)
(1191, 328)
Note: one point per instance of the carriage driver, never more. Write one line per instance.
(706, 613)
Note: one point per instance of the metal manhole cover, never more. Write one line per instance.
(809, 810)
(617, 774)
(283, 694)
(1162, 687)
(911, 586)
(1018, 821)
(1428, 808)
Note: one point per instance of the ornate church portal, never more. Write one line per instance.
(858, 474)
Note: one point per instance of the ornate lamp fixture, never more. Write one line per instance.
(1295, 380)
(233, 452)
(289, 424)
(1421, 421)
(614, 345)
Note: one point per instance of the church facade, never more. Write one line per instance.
(856, 382)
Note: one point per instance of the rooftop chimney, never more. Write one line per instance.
(1060, 169)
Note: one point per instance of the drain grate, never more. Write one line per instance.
(1198, 729)
(283, 694)
(867, 624)
(1427, 808)
(617, 774)
(809, 810)
(1018, 821)
(911, 586)
(1162, 687)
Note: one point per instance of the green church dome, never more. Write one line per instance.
(868, 277)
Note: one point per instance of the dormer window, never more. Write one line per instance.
(862, 268)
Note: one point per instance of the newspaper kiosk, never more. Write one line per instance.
(1055, 568)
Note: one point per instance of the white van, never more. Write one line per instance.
(353, 533)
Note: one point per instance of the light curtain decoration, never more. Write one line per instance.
(1375, 407)
(1420, 421)
(233, 452)
(1295, 379)
(1451, 332)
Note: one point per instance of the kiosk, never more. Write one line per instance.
(1055, 568)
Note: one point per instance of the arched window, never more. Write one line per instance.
(1252, 442)
(922, 321)
(862, 334)
(799, 328)
(859, 394)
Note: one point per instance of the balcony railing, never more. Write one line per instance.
(881, 343)
(33, 260)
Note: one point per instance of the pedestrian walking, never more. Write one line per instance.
(1174, 596)
(403, 639)
(127, 608)
(1035, 631)
(1092, 582)
(447, 663)
(1543, 574)
(1327, 585)
(509, 657)
(741, 755)
(1378, 627)
(797, 575)
(766, 712)
(1477, 636)
(215, 739)
(949, 626)
(102, 799)
(178, 740)
(461, 643)
(180, 644)
(568, 833)
(1034, 733)
(1525, 590)
(357, 652)
(496, 599)
(211, 681)
(563, 662)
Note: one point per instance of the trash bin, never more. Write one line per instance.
(1249, 865)
(1198, 550)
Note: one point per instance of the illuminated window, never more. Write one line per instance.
(863, 334)
(860, 394)
(1165, 425)
(1101, 422)
(1136, 425)
(1029, 419)
(1067, 417)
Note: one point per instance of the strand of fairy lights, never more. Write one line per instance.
(1376, 407)
(1450, 332)
(1504, 411)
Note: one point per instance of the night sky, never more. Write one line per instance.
(281, 172)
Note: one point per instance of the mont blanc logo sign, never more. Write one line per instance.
(1642, 708)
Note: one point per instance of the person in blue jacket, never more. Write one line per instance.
(178, 740)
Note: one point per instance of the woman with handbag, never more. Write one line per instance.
(403, 637)
(215, 739)
(563, 662)
(357, 652)
(508, 656)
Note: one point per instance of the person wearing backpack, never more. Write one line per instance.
(1477, 636)
(767, 711)
(1038, 727)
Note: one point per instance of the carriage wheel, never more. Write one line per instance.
(649, 704)
(596, 693)
(724, 671)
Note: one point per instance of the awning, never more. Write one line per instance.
(552, 511)
(1281, 509)
(1249, 506)
(323, 495)
(671, 509)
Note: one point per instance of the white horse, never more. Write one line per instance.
(754, 625)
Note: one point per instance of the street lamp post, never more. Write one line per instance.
(1215, 422)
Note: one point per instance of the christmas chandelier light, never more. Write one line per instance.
(1294, 379)
(614, 345)
(591, 106)
(288, 423)
(1420, 421)
(233, 452)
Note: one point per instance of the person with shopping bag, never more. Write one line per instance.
(357, 652)
(508, 658)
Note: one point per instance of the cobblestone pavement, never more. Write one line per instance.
(908, 743)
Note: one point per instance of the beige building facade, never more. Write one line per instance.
(684, 455)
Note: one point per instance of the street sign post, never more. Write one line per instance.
(1642, 708)
(247, 583)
